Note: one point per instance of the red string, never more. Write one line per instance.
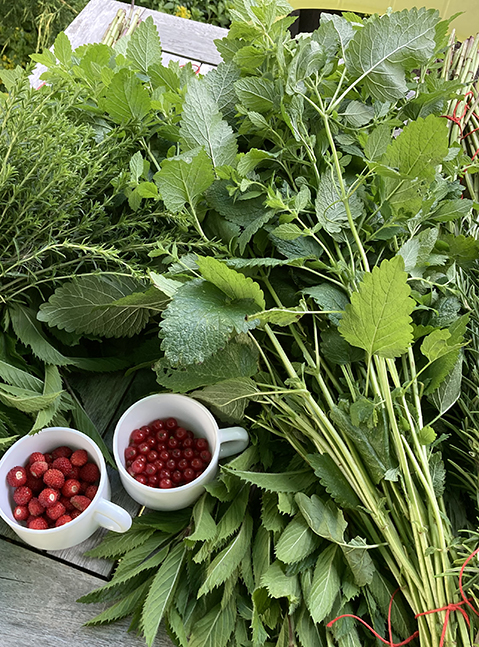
(458, 120)
(449, 608)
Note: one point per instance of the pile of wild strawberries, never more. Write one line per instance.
(165, 455)
(53, 488)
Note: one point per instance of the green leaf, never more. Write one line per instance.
(123, 608)
(63, 49)
(333, 480)
(109, 306)
(377, 319)
(330, 210)
(325, 519)
(262, 553)
(183, 181)
(416, 152)
(144, 47)
(250, 160)
(280, 585)
(161, 593)
(21, 379)
(29, 332)
(449, 391)
(426, 435)
(229, 559)
(297, 541)
(359, 560)
(215, 627)
(204, 524)
(287, 231)
(200, 320)
(234, 284)
(295, 481)
(220, 82)
(385, 48)
(113, 544)
(46, 58)
(202, 124)
(329, 297)
(257, 94)
(136, 556)
(233, 361)
(24, 400)
(308, 632)
(83, 422)
(229, 398)
(53, 386)
(436, 344)
(126, 99)
(325, 586)
(377, 142)
(358, 114)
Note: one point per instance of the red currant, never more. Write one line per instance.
(188, 454)
(137, 466)
(172, 442)
(205, 456)
(131, 453)
(142, 478)
(171, 424)
(153, 480)
(197, 464)
(180, 433)
(171, 464)
(162, 436)
(201, 443)
(152, 456)
(165, 483)
(188, 474)
(150, 469)
(157, 425)
(177, 477)
(187, 443)
(137, 436)
(183, 464)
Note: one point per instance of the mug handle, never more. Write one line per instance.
(112, 516)
(233, 440)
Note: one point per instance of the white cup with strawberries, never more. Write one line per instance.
(167, 447)
(55, 490)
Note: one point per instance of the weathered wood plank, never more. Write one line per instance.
(38, 602)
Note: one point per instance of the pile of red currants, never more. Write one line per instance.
(165, 455)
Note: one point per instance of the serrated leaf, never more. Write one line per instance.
(136, 556)
(29, 332)
(325, 519)
(329, 297)
(377, 319)
(144, 47)
(21, 379)
(202, 125)
(377, 142)
(164, 284)
(384, 49)
(280, 585)
(382, 590)
(229, 398)
(215, 627)
(294, 481)
(325, 586)
(426, 435)
(220, 82)
(125, 575)
(228, 560)
(200, 320)
(358, 114)
(261, 554)
(204, 524)
(83, 422)
(436, 344)
(330, 210)
(359, 560)
(63, 49)
(271, 518)
(126, 99)
(52, 386)
(123, 608)
(257, 94)
(109, 306)
(161, 592)
(250, 160)
(24, 400)
(308, 632)
(234, 284)
(113, 545)
(336, 349)
(183, 181)
(297, 541)
(449, 390)
(287, 231)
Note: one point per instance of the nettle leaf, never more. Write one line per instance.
(330, 210)
(53, 386)
(214, 629)
(385, 48)
(296, 481)
(103, 305)
(183, 181)
(297, 541)
(24, 400)
(377, 319)
(21, 379)
(325, 519)
(359, 560)
(333, 480)
(234, 284)
(330, 298)
(279, 585)
(415, 153)
(233, 361)
(204, 524)
(202, 124)
(325, 586)
(126, 99)
(229, 398)
(200, 320)
(144, 47)
(161, 592)
(229, 559)
(29, 332)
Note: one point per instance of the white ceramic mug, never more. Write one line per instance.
(190, 414)
(100, 512)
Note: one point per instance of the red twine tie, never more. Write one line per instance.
(458, 120)
(453, 606)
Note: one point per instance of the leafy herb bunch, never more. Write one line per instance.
(321, 170)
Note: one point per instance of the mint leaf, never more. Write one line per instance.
(200, 320)
(144, 47)
(234, 284)
(183, 181)
(385, 48)
(102, 305)
(126, 99)
(202, 124)
(377, 319)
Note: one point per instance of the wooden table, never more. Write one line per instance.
(39, 589)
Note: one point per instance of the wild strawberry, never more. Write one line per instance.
(79, 458)
(21, 513)
(75, 514)
(63, 464)
(48, 497)
(22, 495)
(67, 503)
(35, 485)
(54, 479)
(48, 458)
(70, 488)
(74, 473)
(91, 491)
(38, 523)
(90, 472)
(55, 511)
(17, 476)
(61, 521)
(35, 508)
(38, 468)
(80, 502)
(36, 456)
(62, 451)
